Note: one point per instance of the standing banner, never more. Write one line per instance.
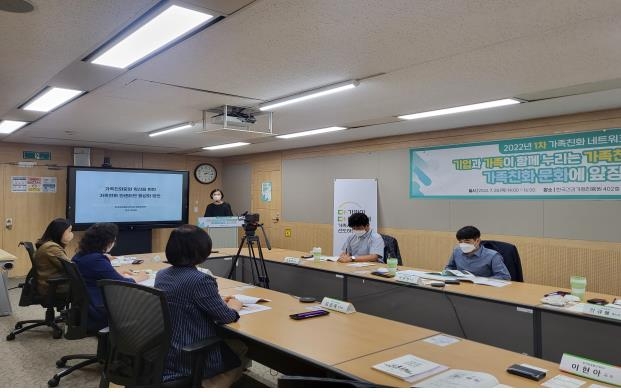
(352, 196)
(584, 165)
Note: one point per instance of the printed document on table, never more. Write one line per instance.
(562, 381)
(122, 260)
(457, 378)
(148, 282)
(249, 300)
(463, 276)
(407, 367)
(441, 340)
(491, 282)
(252, 308)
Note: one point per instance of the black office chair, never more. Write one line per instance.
(76, 316)
(319, 382)
(139, 338)
(510, 256)
(391, 248)
(31, 296)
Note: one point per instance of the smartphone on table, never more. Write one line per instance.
(311, 314)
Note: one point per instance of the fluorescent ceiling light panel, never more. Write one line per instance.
(335, 88)
(312, 132)
(169, 25)
(461, 109)
(51, 98)
(173, 128)
(230, 145)
(8, 126)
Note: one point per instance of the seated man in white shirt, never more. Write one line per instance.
(363, 244)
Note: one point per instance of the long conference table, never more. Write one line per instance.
(347, 345)
(510, 317)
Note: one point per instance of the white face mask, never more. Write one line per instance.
(466, 247)
(217, 197)
(358, 233)
(110, 247)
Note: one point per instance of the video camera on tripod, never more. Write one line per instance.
(251, 223)
(251, 240)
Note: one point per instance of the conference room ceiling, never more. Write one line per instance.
(410, 56)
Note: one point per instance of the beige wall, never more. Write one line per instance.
(545, 260)
(31, 212)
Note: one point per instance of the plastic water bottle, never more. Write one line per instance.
(316, 253)
(392, 265)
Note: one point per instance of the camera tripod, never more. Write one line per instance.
(260, 277)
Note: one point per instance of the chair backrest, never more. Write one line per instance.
(139, 339)
(29, 295)
(510, 256)
(391, 248)
(76, 314)
(30, 249)
(319, 382)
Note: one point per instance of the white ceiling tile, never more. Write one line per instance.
(410, 55)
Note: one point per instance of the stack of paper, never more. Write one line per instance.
(409, 368)
(464, 276)
(248, 300)
(251, 304)
(122, 260)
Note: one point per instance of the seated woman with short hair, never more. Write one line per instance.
(94, 264)
(196, 308)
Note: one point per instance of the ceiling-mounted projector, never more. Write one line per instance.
(234, 115)
(237, 118)
(231, 119)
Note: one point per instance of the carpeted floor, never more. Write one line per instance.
(30, 359)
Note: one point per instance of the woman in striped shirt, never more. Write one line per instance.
(196, 309)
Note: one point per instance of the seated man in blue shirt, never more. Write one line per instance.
(363, 244)
(471, 256)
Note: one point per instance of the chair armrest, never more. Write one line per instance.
(102, 344)
(197, 355)
(103, 333)
(103, 336)
(57, 281)
(53, 284)
(202, 345)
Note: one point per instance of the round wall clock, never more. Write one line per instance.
(205, 173)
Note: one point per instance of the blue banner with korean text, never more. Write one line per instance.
(585, 165)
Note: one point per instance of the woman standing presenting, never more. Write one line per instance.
(218, 207)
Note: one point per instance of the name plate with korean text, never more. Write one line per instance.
(589, 368)
(292, 260)
(337, 305)
(607, 311)
(407, 277)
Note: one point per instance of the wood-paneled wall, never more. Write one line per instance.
(33, 211)
(544, 260)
